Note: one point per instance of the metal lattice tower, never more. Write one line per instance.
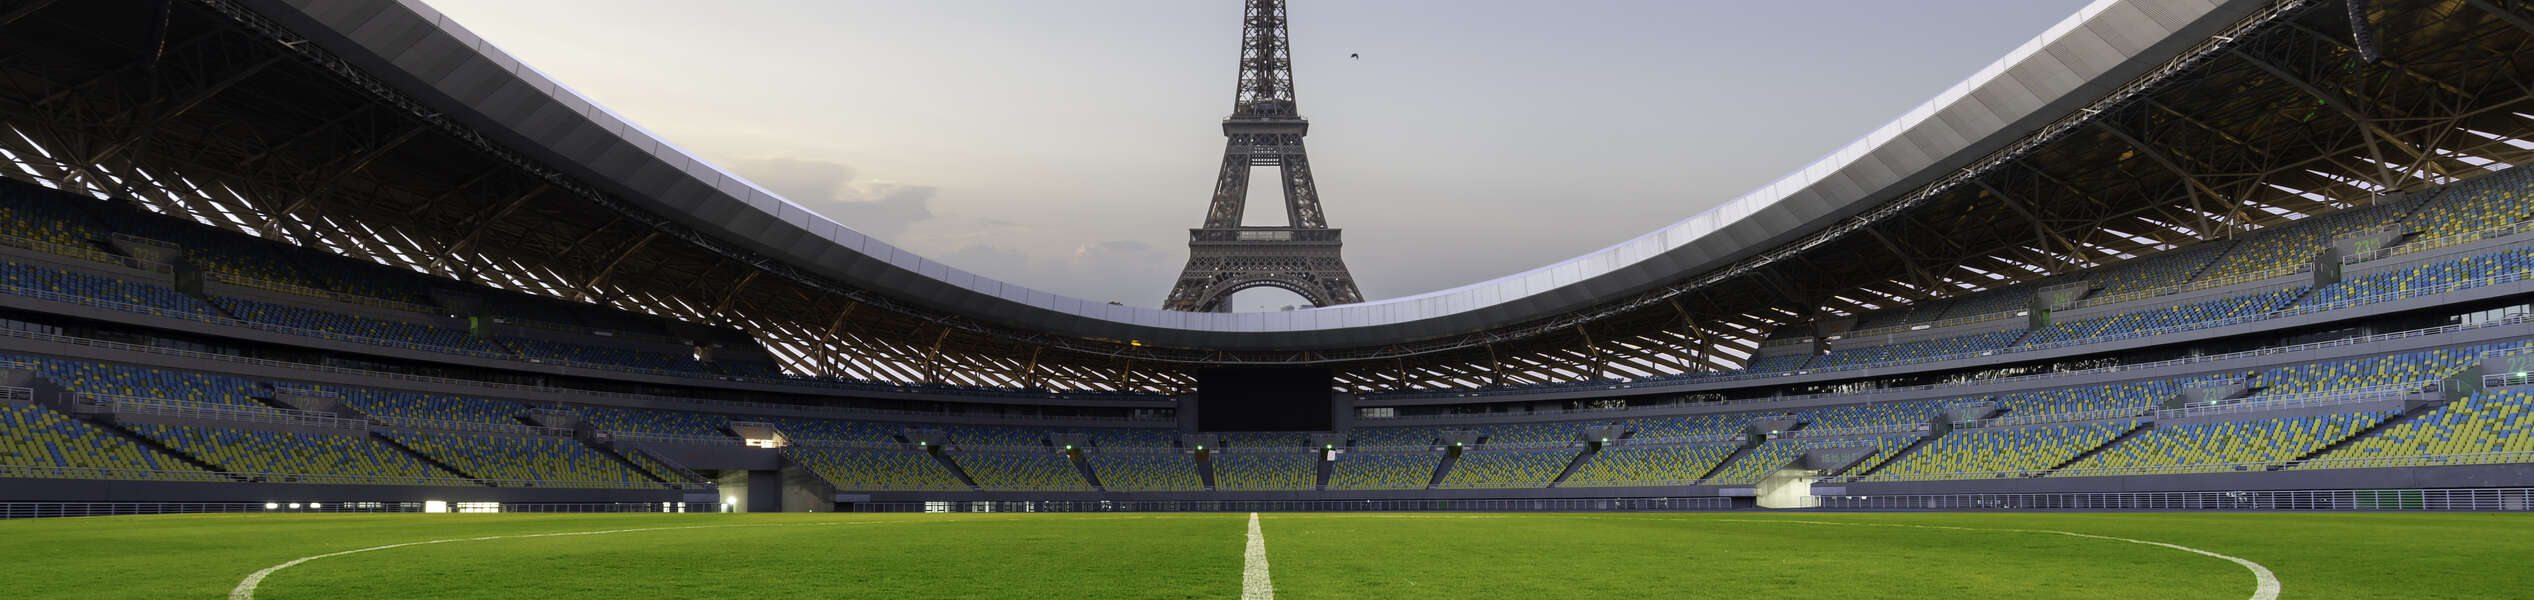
(1265, 129)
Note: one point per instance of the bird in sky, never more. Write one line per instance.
(1355, 56)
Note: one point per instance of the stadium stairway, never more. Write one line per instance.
(2301, 294)
(346, 410)
(1578, 463)
(2407, 415)
(425, 457)
(153, 445)
(1851, 462)
(1444, 467)
(676, 468)
(2204, 265)
(1325, 469)
(1736, 456)
(792, 461)
(1904, 452)
(952, 465)
(2134, 431)
(1089, 476)
(620, 459)
(47, 389)
(1205, 470)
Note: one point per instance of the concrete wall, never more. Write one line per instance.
(784, 490)
(2517, 289)
(2512, 475)
(701, 457)
(86, 490)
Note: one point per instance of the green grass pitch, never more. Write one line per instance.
(1372, 555)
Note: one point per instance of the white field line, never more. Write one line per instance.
(2265, 585)
(1254, 582)
(246, 587)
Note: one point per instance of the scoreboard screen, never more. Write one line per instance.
(1264, 399)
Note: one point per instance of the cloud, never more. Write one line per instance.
(876, 208)
(990, 261)
(1124, 271)
(1114, 249)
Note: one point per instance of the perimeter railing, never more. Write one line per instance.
(699, 374)
(2458, 499)
(1683, 504)
(2367, 462)
(2506, 380)
(2445, 241)
(710, 405)
(294, 289)
(2314, 399)
(2519, 320)
(57, 472)
(675, 438)
(469, 426)
(39, 510)
(84, 253)
(2077, 416)
(136, 405)
(2274, 313)
(1858, 431)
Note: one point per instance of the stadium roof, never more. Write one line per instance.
(435, 59)
(2133, 127)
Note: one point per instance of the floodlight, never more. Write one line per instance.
(270, 506)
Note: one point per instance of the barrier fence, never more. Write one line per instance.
(811, 411)
(2516, 321)
(2468, 499)
(700, 375)
(2361, 462)
(2319, 398)
(9, 471)
(1708, 503)
(39, 510)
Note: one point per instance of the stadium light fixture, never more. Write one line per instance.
(271, 505)
(294, 506)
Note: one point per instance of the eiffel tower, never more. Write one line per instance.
(1265, 129)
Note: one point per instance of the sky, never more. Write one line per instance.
(1068, 146)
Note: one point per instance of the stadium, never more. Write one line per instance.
(2180, 298)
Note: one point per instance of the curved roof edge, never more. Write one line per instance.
(435, 60)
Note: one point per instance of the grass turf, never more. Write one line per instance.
(1449, 555)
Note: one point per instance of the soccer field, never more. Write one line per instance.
(1368, 555)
